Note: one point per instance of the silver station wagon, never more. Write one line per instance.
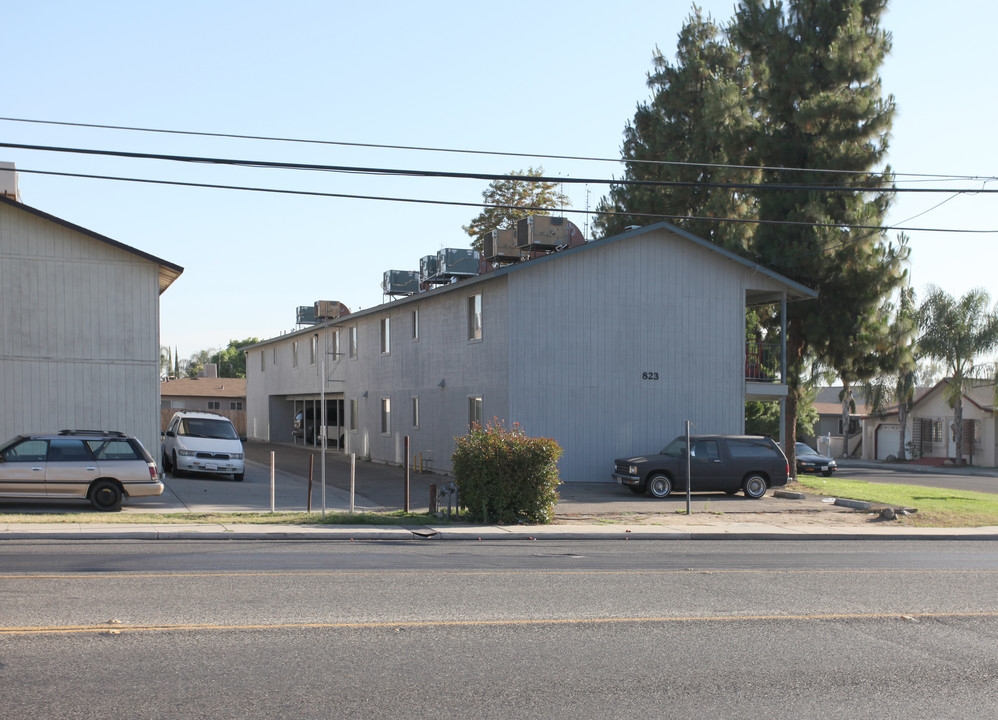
(95, 465)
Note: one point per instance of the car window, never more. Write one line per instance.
(705, 450)
(675, 448)
(208, 428)
(803, 449)
(751, 448)
(68, 450)
(26, 451)
(106, 449)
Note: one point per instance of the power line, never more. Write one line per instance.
(399, 172)
(457, 203)
(542, 156)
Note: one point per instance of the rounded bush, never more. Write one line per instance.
(505, 477)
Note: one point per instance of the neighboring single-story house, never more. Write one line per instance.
(79, 326)
(607, 347)
(930, 428)
(827, 435)
(225, 396)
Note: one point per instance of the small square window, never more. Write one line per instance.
(235, 406)
(214, 405)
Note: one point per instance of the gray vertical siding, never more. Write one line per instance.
(566, 340)
(79, 345)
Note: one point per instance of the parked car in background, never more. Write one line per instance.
(202, 442)
(810, 461)
(725, 463)
(95, 465)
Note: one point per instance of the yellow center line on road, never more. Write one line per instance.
(490, 573)
(119, 628)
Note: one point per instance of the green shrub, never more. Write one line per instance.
(506, 477)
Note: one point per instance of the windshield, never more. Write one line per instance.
(803, 449)
(208, 428)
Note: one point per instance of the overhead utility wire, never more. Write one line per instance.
(341, 143)
(456, 203)
(476, 176)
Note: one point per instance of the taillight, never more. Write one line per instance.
(153, 475)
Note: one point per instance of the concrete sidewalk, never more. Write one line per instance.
(713, 529)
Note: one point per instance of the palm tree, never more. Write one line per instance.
(957, 333)
(898, 386)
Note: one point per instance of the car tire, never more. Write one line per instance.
(659, 485)
(105, 495)
(174, 468)
(238, 477)
(167, 467)
(754, 486)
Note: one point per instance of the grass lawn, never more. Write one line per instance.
(937, 507)
(280, 518)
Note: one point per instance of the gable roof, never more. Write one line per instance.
(794, 290)
(204, 387)
(168, 272)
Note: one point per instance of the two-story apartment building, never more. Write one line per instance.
(607, 348)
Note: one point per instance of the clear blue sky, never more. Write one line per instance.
(538, 77)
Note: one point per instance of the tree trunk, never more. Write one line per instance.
(903, 421)
(846, 403)
(958, 429)
(795, 354)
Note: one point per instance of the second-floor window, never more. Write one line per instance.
(475, 317)
(294, 354)
(386, 336)
(353, 341)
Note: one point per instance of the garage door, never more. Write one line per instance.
(888, 437)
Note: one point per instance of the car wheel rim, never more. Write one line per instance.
(756, 487)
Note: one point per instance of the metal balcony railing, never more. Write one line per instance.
(762, 362)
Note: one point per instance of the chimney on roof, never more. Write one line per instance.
(8, 181)
(210, 371)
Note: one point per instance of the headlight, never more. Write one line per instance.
(632, 469)
(187, 452)
(236, 456)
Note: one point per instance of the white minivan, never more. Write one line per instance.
(202, 442)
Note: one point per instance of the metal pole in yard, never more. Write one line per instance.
(353, 477)
(689, 481)
(271, 481)
(311, 462)
(405, 505)
(324, 418)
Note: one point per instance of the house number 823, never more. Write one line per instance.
(649, 376)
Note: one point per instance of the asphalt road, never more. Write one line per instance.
(512, 629)
(950, 480)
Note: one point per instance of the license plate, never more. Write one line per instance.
(211, 466)
(824, 467)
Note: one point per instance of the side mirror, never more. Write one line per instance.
(170, 433)
(242, 438)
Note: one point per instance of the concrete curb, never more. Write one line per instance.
(493, 533)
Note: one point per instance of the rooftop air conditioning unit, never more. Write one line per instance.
(400, 282)
(542, 232)
(428, 268)
(306, 315)
(457, 262)
(500, 246)
(329, 310)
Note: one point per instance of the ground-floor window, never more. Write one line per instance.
(214, 405)
(386, 416)
(475, 410)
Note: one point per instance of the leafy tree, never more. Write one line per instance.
(699, 113)
(196, 362)
(512, 200)
(957, 332)
(165, 360)
(232, 360)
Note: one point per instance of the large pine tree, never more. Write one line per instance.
(820, 107)
(790, 86)
(698, 114)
